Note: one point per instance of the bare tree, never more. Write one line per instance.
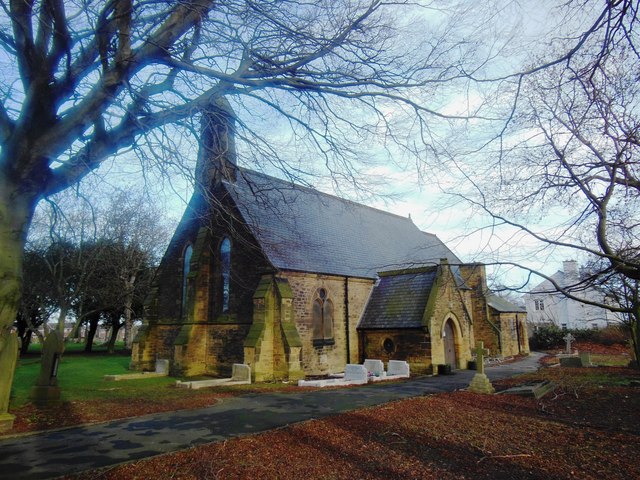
(85, 80)
(563, 171)
(138, 236)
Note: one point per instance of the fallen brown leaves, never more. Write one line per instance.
(449, 436)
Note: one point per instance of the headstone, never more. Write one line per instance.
(568, 338)
(398, 368)
(240, 373)
(162, 366)
(46, 390)
(480, 382)
(585, 359)
(375, 367)
(354, 373)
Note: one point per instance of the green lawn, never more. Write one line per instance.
(80, 377)
(609, 360)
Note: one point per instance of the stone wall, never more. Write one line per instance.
(324, 359)
(513, 332)
(196, 335)
(412, 346)
(448, 303)
(484, 327)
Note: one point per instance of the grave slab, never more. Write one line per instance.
(532, 389)
(353, 375)
(240, 375)
(162, 370)
(571, 362)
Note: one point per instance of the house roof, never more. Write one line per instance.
(399, 301)
(302, 229)
(503, 305)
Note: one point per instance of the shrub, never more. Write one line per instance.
(612, 334)
(584, 334)
(547, 337)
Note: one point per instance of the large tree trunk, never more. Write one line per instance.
(25, 338)
(94, 319)
(16, 210)
(115, 328)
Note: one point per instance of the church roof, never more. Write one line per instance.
(503, 305)
(302, 229)
(399, 300)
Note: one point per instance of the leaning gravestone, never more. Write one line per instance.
(46, 390)
(480, 382)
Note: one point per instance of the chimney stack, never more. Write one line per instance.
(570, 268)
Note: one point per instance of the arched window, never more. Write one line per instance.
(186, 267)
(225, 267)
(322, 319)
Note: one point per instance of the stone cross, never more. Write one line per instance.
(480, 353)
(480, 382)
(568, 338)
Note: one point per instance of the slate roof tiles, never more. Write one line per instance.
(302, 229)
(399, 300)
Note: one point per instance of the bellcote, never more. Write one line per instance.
(217, 150)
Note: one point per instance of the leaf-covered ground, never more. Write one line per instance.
(586, 429)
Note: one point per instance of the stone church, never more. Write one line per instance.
(295, 282)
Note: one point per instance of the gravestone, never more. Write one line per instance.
(240, 373)
(585, 359)
(162, 366)
(480, 382)
(375, 367)
(536, 390)
(354, 373)
(398, 368)
(568, 338)
(46, 390)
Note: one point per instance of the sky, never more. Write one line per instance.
(426, 197)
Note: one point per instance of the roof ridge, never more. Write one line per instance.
(334, 197)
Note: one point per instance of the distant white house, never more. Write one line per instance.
(545, 307)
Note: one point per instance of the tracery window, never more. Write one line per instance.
(186, 268)
(322, 319)
(225, 267)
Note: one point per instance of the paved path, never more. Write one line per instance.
(73, 450)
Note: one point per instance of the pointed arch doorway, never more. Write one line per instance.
(449, 339)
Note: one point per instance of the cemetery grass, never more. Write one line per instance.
(586, 428)
(87, 398)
